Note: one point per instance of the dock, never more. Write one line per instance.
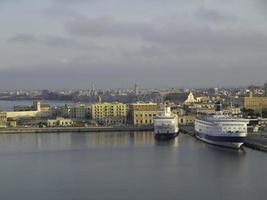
(256, 141)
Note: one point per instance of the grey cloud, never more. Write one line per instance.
(203, 44)
(184, 36)
(59, 41)
(49, 40)
(58, 11)
(74, 1)
(208, 38)
(214, 15)
(23, 38)
(105, 26)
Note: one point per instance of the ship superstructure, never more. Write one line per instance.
(220, 129)
(166, 124)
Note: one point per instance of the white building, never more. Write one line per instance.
(190, 99)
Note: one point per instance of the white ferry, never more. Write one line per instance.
(166, 124)
(223, 130)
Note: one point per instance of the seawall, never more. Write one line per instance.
(75, 129)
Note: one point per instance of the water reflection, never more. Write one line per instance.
(61, 141)
(173, 143)
(40, 142)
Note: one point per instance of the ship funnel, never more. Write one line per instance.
(218, 106)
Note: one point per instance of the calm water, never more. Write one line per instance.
(128, 166)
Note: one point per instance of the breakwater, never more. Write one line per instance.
(75, 129)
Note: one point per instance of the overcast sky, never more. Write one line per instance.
(116, 43)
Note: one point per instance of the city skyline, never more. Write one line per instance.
(116, 43)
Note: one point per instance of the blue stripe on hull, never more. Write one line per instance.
(234, 139)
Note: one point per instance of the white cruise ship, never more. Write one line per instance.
(166, 124)
(223, 130)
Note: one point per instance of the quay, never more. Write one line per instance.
(254, 141)
(76, 129)
(257, 141)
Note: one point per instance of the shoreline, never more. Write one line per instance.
(75, 129)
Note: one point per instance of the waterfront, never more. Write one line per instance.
(126, 166)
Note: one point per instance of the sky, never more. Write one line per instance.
(54, 44)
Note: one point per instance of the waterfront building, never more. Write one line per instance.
(12, 123)
(36, 112)
(77, 111)
(36, 106)
(59, 122)
(3, 119)
(109, 113)
(143, 113)
(258, 104)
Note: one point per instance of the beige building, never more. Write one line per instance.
(3, 119)
(36, 112)
(255, 103)
(109, 113)
(59, 122)
(143, 113)
(12, 123)
(202, 99)
(77, 111)
(226, 111)
(186, 119)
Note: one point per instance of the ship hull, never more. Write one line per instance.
(166, 136)
(225, 141)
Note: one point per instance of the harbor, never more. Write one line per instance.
(126, 165)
